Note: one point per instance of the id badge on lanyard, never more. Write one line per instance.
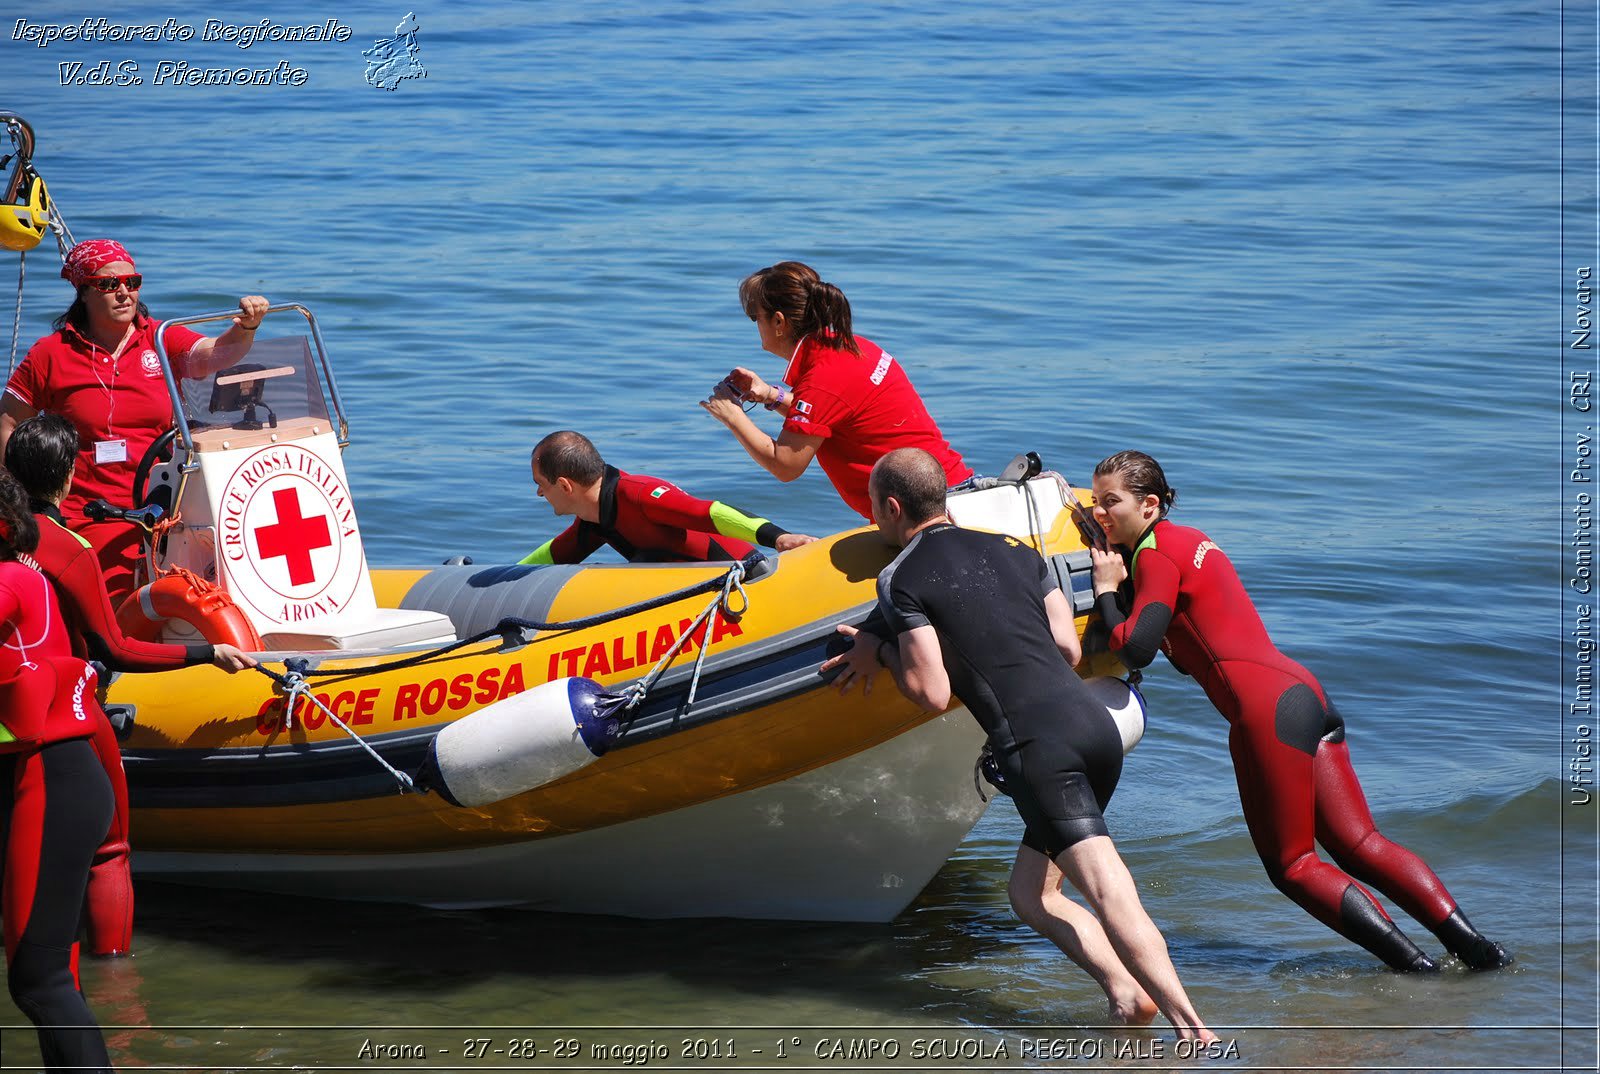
(107, 452)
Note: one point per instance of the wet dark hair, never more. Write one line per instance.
(41, 453)
(570, 455)
(811, 305)
(18, 531)
(1141, 474)
(913, 477)
(77, 314)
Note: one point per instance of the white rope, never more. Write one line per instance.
(64, 240)
(1035, 525)
(734, 582)
(16, 321)
(1080, 514)
(294, 687)
(64, 243)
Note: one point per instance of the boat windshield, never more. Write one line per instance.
(275, 381)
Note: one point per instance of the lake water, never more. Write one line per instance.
(1310, 256)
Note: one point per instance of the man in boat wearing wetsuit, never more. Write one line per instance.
(644, 518)
(979, 616)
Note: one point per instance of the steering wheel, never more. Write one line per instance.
(152, 454)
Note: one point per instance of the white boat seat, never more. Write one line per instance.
(1004, 508)
(381, 628)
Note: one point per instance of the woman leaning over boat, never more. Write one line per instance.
(40, 455)
(848, 404)
(55, 799)
(1287, 740)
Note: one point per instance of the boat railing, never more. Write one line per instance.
(330, 385)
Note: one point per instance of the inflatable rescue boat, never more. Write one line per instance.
(649, 740)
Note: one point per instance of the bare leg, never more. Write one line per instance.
(1095, 868)
(1036, 896)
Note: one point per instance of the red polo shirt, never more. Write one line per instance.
(865, 407)
(108, 397)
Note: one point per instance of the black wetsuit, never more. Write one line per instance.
(55, 806)
(983, 594)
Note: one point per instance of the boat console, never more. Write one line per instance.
(260, 501)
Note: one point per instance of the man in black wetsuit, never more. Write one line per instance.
(646, 519)
(979, 616)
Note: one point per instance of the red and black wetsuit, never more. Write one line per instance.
(649, 520)
(71, 564)
(1288, 745)
(55, 806)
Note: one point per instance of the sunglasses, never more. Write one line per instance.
(108, 284)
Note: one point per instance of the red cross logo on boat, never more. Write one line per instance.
(293, 537)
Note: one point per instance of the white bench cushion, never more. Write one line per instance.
(381, 628)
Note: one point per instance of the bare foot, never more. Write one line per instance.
(1135, 1010)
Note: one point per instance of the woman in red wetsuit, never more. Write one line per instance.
(40, 454)
(1287, 740)
(55, 800)
(849, 402)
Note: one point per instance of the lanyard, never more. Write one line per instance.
(116, 366)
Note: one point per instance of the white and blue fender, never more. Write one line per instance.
(1121, 699)
(1126, 705)
(523, 742)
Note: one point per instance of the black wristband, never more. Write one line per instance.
(247, 328)
(1110, 610)
(878, 652)
(767, 534)
(199, 654)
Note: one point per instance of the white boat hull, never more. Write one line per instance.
(853, 841)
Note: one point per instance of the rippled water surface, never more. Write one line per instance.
(1306, 257)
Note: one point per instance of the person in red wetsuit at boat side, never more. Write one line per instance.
(55, 800)
(848, 404)
(99, 369)
(1287, 740)
(646, 519)
(40, 455)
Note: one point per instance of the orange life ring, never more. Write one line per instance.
(185, 597)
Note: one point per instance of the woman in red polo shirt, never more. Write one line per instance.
(99, 368)
(849, 403)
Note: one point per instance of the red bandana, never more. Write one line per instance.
(87, 259)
